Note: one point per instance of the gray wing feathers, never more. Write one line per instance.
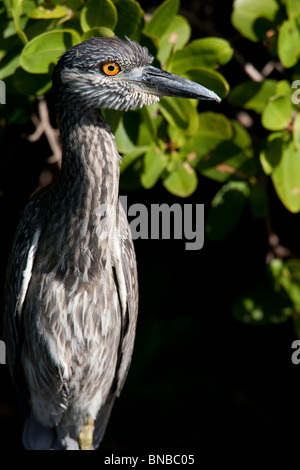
(129, 271)
(126, 273)
(18, 277)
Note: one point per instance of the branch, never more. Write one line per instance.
(43, 126)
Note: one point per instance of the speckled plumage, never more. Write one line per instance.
(72, 293)
(72, 336)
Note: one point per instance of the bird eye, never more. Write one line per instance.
(110, 68)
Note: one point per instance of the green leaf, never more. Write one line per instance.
(154, 164)
(226, 209)
(131, 157)
(289, 43)
(253, 18)
(175, 36)
(113, 117)
(286, 178)
(161, 18)
(96, 13)
(42, 52)
(182, 182)
(230, 158)
(129, 17)
(204, 52)
(270, 156)
(127, 132)
(283, 88)
(290, 281)
(35, 28)
(210, 79)
(215, 125)
(293, 8)
(98, 32)
(10, 62)
(277, 113)
(31, 84)
(220, 148)
(253, 95)
(41, 12)
(195, 147)
(16, 10)
(180, 113)
(285, 276)
(296, 131)
(9, 28)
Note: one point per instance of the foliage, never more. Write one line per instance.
(36, 33)
(276, 24)
(171, 141)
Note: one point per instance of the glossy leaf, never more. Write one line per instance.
(225, 151)
(42, 52)
(113, 117)
(197, 147)
(289, 42)
(10, 62)
(277, 113)
(286, 177)
(175, 37)
(253, 95)
(153, 165)
(131, 157)
(293, 8)
(209, 78)
(205, 52)
(96, 13)
(41, 12)
(253, 18)
(270, 156)
(129, 17)
(17, 10)
(124, 142)
(182, 182)
(226, 209)
(98, 32)
(180, 113)
(161, 18)
(215, 124)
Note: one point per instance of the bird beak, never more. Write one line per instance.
(159, 82)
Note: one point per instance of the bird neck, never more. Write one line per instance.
(90, 163)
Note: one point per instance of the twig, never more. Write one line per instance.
(43, 125)
(249, 68)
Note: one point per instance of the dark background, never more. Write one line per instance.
(199, 379)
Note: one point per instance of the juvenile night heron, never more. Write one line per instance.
(72, 293)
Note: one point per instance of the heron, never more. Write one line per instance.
(72, 290)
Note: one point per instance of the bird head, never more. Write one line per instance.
(116, 74)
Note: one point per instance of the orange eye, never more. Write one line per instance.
(110, 68)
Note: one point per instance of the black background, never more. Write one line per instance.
(199, 379)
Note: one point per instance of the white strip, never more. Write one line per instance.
(28, 271)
